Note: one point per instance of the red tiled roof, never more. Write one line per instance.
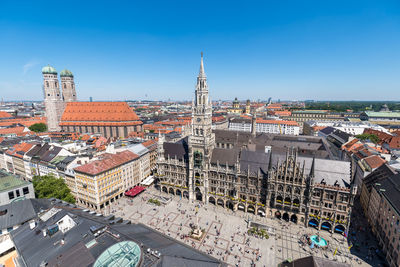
(4, 114)
(24, 121)
(136, 134)
(98, 111)
(394, 142)
(374, 161)
(318, 128)
(149, 143)
(100, 141)
(184, 118)
(347, 146)
(107, 162)
(383, 137)
(14, 130)
(274, 106)
(281, 112)
(294, 123)
(218, 118)
(21, 148)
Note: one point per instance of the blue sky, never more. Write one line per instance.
(295, 50)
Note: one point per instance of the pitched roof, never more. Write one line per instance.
(107, 162)
(382, 114)
(293, 123)
(378, 174)
(394, 142)
(224, 156)
(19, 150)
(13, 130)
(374, 161)
(98, 111)
(150, 144)
(383, 137)
(27, 122)
(179, 149)
(4, 114)
(391, 186)
(16, 212)
(327, 130)
(347, 146)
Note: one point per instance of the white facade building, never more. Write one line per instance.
(265, 126)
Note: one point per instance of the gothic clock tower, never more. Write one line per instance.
(201, 140)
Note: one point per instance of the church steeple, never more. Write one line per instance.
(202, 109)
(202, 74)
(202, 139)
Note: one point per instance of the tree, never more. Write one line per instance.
(48, 186)
(372, 137)
(38, 127)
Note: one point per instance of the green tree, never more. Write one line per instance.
(38, 127)
(48, 186)
(372, 137)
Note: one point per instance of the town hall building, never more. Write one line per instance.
(288, 177)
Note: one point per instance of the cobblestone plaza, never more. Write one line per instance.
(226, 235)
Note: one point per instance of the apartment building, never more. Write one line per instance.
(104, 180)
(384, 216)
(265, 126)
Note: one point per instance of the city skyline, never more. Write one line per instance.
(296, 52)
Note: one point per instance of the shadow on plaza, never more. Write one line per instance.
(361, 241)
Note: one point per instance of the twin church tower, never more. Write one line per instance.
(54, 101)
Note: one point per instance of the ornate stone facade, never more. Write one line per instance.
(286, 177)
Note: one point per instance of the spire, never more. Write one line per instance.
(254, 125)
(270, 161)
(312, 170)
(202, 74)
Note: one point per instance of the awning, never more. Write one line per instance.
(338, 229)
(325, 227)
(312, 223)
(148, 181)
(134, 191)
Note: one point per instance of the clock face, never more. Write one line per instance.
(198, 120)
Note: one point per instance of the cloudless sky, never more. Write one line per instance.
(117, 50)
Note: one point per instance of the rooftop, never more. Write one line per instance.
(4, 115)
(374, 161)
(107, 162)
(383, 114)
(21, 211)
(98, 112)
(390, 189)
(91, 235)
(9, 181)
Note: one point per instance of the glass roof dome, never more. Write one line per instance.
(125, 253)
